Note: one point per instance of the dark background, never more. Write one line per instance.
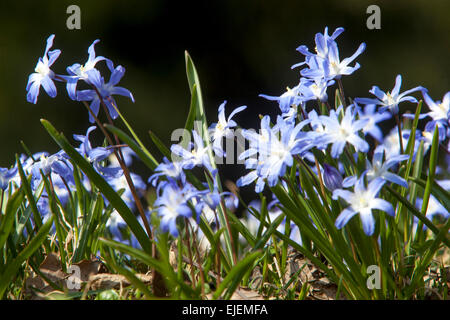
(241, 49)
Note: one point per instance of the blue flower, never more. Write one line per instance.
(318, 68)
(6, 175)
(434, 208)
(315, 89)
(223, 128)
(119, 182)
(43, 75)
(96, 155)
(55, 163)
(374, 117)
(391, 142)
(339, 68)
(115, 223)
(341, 132)
(363, 200)
(326, 63)
(306, 90)
(171, 204)
(127, 154)
(440, 114)
(80, 72)
(106, 90)
(193, 157)
(440, 111)
(322, 43)
(170, 170)
(390, 100)
(332, 178)
(212, 198)
(290, 98)
(380, 169)
(275, 148)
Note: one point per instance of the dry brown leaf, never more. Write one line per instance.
(104, 281)
(51, 268)
(241, 294)
(320, 287)
(246, 294)
(88, 268)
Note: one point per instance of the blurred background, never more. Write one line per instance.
(241, 49)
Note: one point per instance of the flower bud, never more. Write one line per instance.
(331, 177)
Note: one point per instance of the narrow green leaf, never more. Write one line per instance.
(242, 229)
(145, 156)
(417, 213)
(193, 79)
(29, 193)
(136, 138)
(61, 235)
(273, 226)
(112, 196)
(8, 218)
(231, 281)
(192, 110)
(431, 172)
(135, 253)
(35, 243)
(87, 229)
(160, 145)
(439, 192)
(131, 277)
(148, 260)
(425, 261)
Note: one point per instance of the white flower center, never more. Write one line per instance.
(343, 133)
(335, 68)
(42, 69)
(390, 100)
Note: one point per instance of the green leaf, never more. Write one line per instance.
(61, 235)
(194, 85)
(231, 281)
(148, 260)
(195, 88)
(431, 172)
(13, 267)
(160, 145)
(417, 213)
(30, 196)
(425, 261)
(273, 226)
(136, 138)
(87, 229)
(440, 193)
(131, 277)
(135, 253)
(112, 196)
(193, 109)
(242, 229)
(144, 155)
(7, 220)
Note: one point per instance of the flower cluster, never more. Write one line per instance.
(99, 92)
(339, 134)
(330, 140)
(274, 148)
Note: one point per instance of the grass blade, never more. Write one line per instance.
(231, 281)
(145, 156)
(34, 244)
(112, 196)
(7, 221)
